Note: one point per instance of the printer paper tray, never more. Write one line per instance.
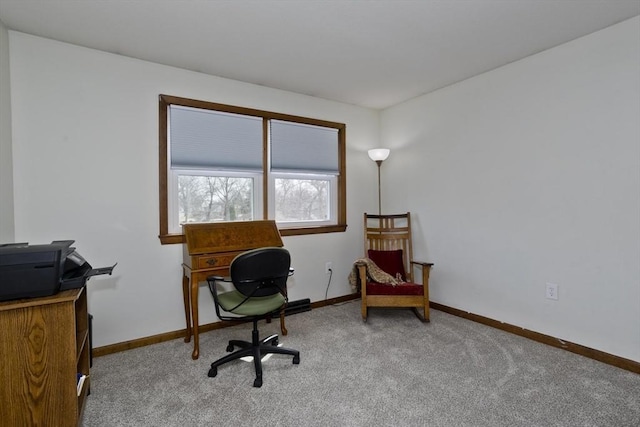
(80, 276)
(101, 270)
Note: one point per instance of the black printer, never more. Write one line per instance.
(28, 271)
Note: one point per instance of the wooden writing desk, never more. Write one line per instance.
(209, 250)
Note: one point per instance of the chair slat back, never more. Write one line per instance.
(387, 233)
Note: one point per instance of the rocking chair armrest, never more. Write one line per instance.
(425, 268)
(362, 269)
(422, 264)
(362, 277)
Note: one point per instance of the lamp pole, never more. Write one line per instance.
(379, 155)
(379, 163)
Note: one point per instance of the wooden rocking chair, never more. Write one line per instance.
(387, 242)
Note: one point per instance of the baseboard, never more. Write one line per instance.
(332, 301)
(155, 339)
(591, 353)
(168, 336)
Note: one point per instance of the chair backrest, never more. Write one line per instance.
(261, 272)
(389, 233)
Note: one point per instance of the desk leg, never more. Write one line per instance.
(187, 305)
(194, 316)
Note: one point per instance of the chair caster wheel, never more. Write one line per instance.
(257, 382)
(230, 348)
(213, 372)
(296, 360)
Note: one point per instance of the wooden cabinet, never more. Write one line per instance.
(44, 344)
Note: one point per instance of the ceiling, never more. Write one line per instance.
(369, 53)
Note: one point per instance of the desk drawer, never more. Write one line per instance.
(215, 261)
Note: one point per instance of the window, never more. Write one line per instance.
(225, 163)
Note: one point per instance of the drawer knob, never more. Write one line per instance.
(212, 261)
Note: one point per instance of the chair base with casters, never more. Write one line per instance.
(256, 348)
(259, 279)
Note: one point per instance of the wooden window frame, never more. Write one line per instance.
(167, 100)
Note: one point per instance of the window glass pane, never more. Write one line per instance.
(214, 198)
(298, 200)
(212, 139)
(297, 147)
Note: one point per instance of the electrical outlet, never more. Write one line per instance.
(327, 267)
(552, 291)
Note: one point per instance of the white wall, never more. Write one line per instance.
(524, 175)
(530, 174)
(85, 142)
(6, 169)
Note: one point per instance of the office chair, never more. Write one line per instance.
(259, 278)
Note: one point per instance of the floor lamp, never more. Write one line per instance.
(379, 155)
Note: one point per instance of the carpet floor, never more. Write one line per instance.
(391, 371)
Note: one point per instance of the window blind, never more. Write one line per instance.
(214, 140)
(297, 147)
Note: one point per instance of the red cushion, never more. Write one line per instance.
(390, 262)
(406, 288)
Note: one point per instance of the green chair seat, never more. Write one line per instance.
(254, 306)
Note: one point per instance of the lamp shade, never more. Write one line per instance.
(379, 154)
